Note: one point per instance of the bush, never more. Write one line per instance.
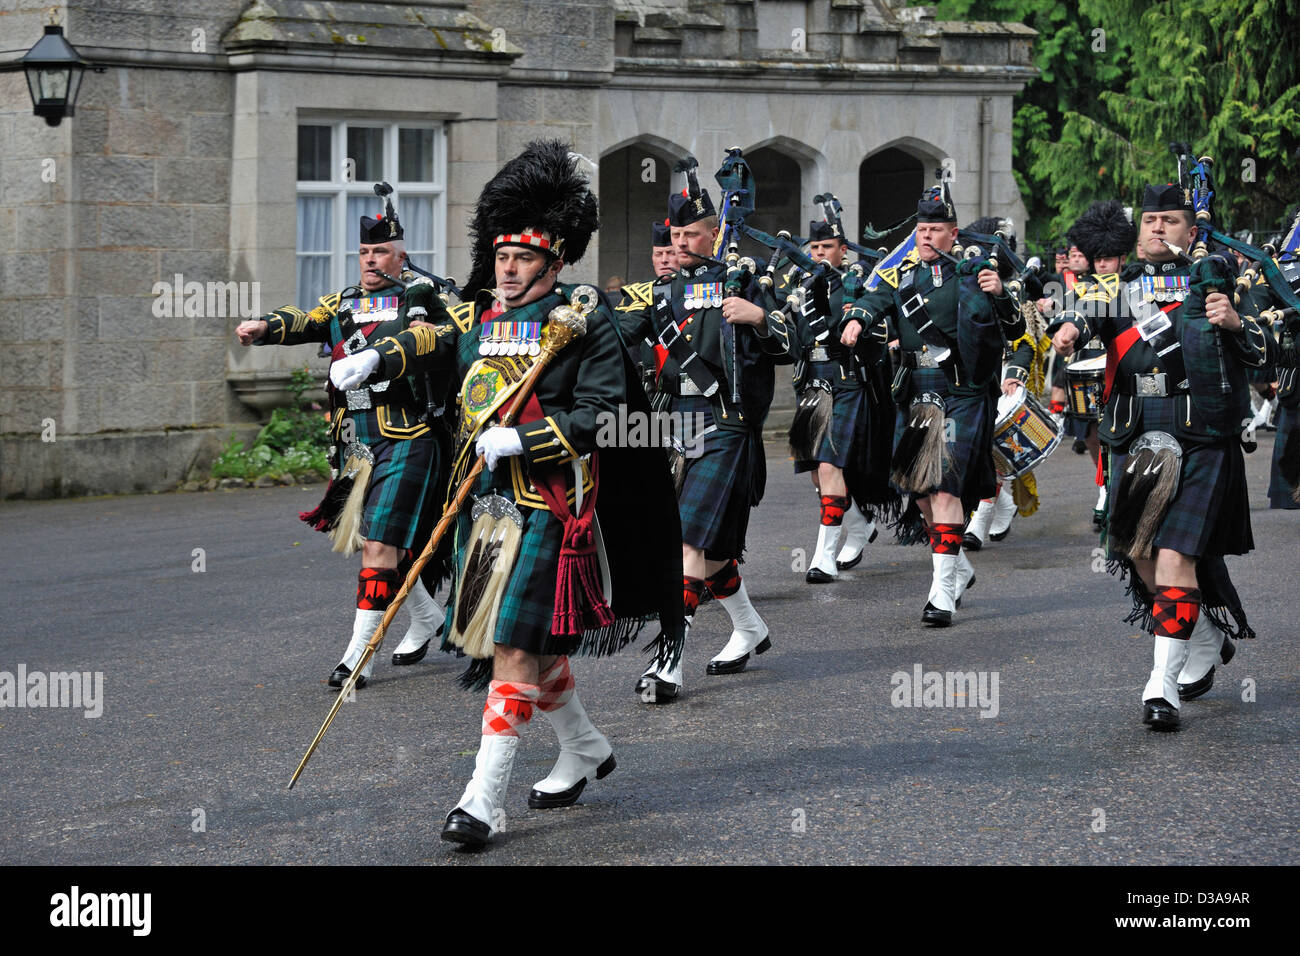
(295, 440)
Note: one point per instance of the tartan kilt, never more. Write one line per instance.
(849, 420)
(969, 475)
(1288, 430)
(528, 603)
(400, 505)
(1210, 512)
(715, 498)
(1076, 427)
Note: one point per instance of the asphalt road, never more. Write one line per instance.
(214, 683)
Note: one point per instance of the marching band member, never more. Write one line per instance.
(716, 355)
(947, 316)
(387, 455)
(1176, 358)
(843, 425)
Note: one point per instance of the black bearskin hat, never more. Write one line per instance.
(1104, 229)
(538, 199)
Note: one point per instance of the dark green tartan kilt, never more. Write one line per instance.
(850, 418)
(1076, 427)
(1210, 512)
(399, 502)
(1288, 430)
(715, 498)
(528, 604)
(1262, 376)
(969, 475)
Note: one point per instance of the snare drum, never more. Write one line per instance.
(1025, 434)
(1087, 379)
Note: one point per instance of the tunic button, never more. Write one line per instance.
(689, 321)
(688, 338)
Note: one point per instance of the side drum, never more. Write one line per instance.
(1087, 379)
(1024, 435)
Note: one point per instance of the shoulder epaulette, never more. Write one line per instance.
(636, 297)
(462, 313)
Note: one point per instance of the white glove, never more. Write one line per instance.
(497, 443)
(351, 370)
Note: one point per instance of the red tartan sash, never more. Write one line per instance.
(579, 597)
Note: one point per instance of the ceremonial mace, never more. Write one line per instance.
(567, 322)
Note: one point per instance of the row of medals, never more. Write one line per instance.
(702, 295)
(1165, 288)
(497, 338)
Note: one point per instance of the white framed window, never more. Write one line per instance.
(339, 161)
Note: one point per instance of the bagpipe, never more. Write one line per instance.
(1217, 273)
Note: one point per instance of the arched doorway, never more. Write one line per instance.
(889, 184)
(635, 182)
(778, 185)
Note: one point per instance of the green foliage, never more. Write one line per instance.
(295, 440)
(1097, 122)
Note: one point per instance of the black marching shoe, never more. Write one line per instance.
(341, 675)
(998, 536)
(936, 617)
(1198, 688)
(739, 664)
(970, 542)
(1159, 714)
(652, 690)
(818, 576)
(540, 800)
(466, 830)
(414, 657)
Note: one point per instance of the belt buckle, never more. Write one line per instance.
(924, 359)
(818, 353)
(1152, 385)
(686, 386)
(358, 399)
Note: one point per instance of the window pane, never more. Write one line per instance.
(313, 279)
(359, 206)
(366, 147)
(313, 153)
(315, 221)
(416, 213)
(425, 262)
(415, 155)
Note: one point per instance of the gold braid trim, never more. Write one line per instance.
(1036, 339)
(426, 338)
(462, 314)
(1025, 492)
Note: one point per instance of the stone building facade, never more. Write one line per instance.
(218, 162)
